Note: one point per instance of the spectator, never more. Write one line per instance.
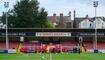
(21, 50)
(26, 50)
(69, 50)
(85, 49)
(36, 50)
(63, 50)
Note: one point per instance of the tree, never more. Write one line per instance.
(27, 14)
(49, 24)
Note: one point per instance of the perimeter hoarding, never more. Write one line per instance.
(86, 34)
(19, 34)
(3, 51)
(11, 51)
(52, 34)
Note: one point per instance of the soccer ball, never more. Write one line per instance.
(43, 57)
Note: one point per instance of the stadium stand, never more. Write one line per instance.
(12, 44)
(101, 45)
(2, 45)
(88, 45)
(31, 45)
(68, 43)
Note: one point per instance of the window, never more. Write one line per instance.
(91, 27)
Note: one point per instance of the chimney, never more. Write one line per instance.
(69, 15)
(61, 22)
(74, 14)
(87, 16)
(61, 18)
(54, 18)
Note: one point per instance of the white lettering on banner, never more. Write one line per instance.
(91, 34)
(52, 34)
(14, 34)
(12, 51)
(90, 51)
(103, 51)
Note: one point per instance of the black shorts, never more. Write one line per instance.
(35, 51)
(42, 51)
(25, 52)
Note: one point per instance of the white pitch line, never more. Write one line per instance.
(50, 56)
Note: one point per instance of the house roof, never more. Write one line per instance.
(66, 19)
(79, 19)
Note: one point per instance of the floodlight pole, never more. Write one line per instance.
(95, 4)
(6, 5)
(95, 47)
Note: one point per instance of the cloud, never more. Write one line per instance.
(82, 7)
(43, 0)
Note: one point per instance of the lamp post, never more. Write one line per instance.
(95, 4)
(6, 5)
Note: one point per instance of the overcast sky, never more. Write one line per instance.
(82, 7)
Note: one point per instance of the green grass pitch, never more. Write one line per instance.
(52, 56)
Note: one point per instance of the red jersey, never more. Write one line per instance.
(66, 49)
(42, 49)
(57, 49)
(85, 49)
(25, 49)
(21, 49)
(69, 49)
(36, 49)
(62, 49)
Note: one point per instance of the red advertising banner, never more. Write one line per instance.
(50, 34)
